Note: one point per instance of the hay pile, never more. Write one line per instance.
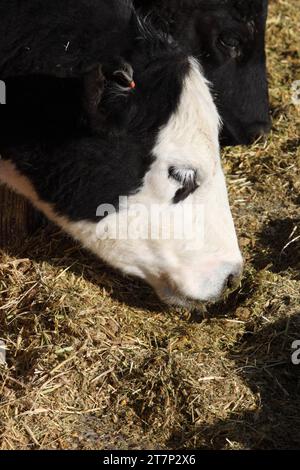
(95, 361)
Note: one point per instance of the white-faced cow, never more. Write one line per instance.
(156, 147)
(228, 37)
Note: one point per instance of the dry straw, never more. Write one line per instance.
(95, 361)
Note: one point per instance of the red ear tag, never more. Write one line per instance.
(132, 84)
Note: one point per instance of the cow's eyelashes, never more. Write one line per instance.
(230, 41)
(187, 179)
(182, 175)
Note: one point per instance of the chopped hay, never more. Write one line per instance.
(95, 361)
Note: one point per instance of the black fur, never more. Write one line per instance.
(68, 38)
(86, 40)
(40, 39)
(61, 37)
(76, 169)
(228, 36)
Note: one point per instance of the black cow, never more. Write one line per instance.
(68, 37)
(228, 37)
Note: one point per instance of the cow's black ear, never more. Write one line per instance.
(118, 75)
(107, 88)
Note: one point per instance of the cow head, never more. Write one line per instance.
(228, 37)
(145, 190)
(174, 229)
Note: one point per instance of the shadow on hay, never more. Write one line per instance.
(291, 145)
(263, 359)
(279, 247)
(53, 246)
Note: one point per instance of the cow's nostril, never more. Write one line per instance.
(259, 130)
(230, 281)
(233, 281)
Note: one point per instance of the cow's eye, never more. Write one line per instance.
(231, 43)
(187, 179)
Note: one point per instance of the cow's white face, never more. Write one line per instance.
(177, 231)
(206, 259)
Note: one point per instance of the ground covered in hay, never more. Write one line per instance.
(95, 361)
